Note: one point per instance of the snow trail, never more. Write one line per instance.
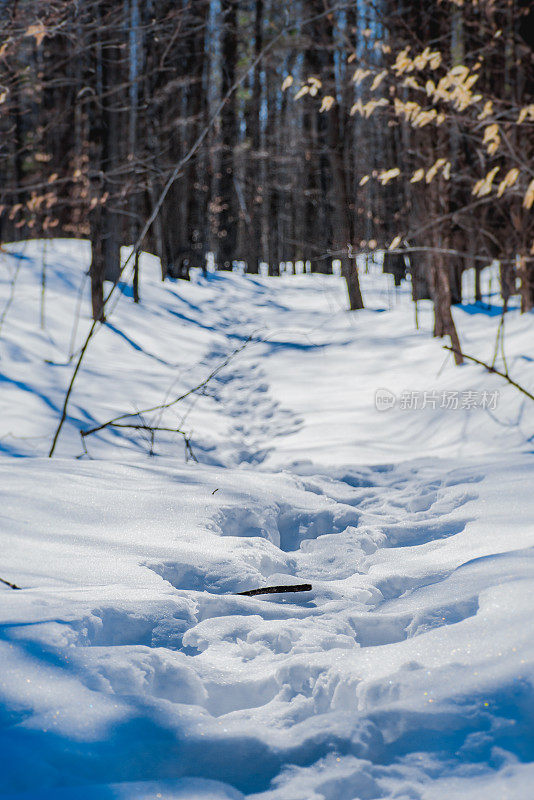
(131, 668)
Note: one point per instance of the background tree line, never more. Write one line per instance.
(305, 132)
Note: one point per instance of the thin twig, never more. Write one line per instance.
(77, 315)
(301, 587)
(11, 585)
(499, 340)
(63, 417)
(163, 406)
(492, 369)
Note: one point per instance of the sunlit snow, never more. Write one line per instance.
(129, 666)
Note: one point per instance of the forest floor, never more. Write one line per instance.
(130, 667)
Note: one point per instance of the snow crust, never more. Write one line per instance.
(129, 666)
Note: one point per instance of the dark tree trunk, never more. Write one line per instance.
(97, 268)
(341, 216)
(526, 275)
(254, 239)
(478, 288)
(228, 217)
(419, 270)
(441, 291)
(104, 221)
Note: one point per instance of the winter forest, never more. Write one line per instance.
(267, 399)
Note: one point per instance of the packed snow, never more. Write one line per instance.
(131, 668)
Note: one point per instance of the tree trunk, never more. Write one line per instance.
(134, 59)
(478, 288)
(228, 217)
(96, 270)
(341, 216)
(527, 284)
(254, 243)
(104, 223)
(443, 320)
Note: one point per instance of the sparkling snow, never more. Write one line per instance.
(129, 666)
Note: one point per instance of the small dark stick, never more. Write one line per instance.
(301, 587)
(11, 585)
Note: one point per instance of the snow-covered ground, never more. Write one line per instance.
(129, 666)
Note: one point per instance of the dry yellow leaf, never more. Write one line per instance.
(288, 81)
(418, 175)
(421, 60)
(483, 186)
(403, 63)
(360, 75)
(327, 103)
(38, 31)
(408, 110)
(15, 210)
(387, 175)
(370, 106)
(301, 92)
(508, 180)
(410, 83)
(492, 138)
(526, 111)
(424, 117)
(395, 243)
(432, 172)
(377, 80)
(528, 200)
(460, 72)
(471, 80)
(487, 110)
(435, 60)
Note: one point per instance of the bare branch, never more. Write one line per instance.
(8, 583)
(300, 587)
(492, 369)
(163, 406)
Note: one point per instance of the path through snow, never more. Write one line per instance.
(130, 666)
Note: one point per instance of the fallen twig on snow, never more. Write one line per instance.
(491, 368)
(11, 585)
(301, 587)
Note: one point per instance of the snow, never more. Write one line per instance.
(129, 666)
